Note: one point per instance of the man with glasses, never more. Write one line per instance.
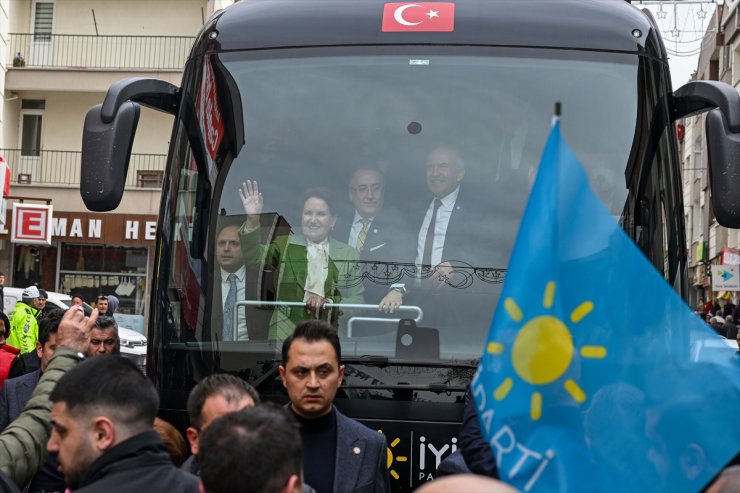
(104, 337)
(379, 237)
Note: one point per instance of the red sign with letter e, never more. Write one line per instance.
(419, 17)
(31, 224)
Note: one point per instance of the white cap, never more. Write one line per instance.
(31, 292)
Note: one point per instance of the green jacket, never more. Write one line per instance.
(23, 442)
(287, 255)
(24, 328)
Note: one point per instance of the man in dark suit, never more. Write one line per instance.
(379, 237)
(454, 238)
(340, 455)
(231, 286)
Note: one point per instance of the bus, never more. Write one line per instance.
(297, 95)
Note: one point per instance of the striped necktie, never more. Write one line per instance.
(363, 234)
(228, 328)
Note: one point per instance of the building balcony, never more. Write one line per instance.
(62, 168)
(86, 52)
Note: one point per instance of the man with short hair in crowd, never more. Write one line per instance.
(104, 337)
(212, 397)
(258, 451)
(101, 303)
(102, 428)
(339, 455)
(7, 353)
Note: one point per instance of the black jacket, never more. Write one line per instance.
(140, 463)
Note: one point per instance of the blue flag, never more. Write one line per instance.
(596, 376)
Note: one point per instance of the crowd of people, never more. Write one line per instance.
(721, 316)
(105, 435)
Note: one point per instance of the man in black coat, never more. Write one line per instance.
(102, 429)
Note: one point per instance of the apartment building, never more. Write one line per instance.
(58, 58)
(708, 242)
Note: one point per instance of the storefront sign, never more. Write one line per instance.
(725, 278)
(730, 256)
(31, 224)
(88, 227)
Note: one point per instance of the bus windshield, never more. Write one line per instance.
(332, 196)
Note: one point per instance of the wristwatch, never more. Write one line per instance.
(400, 287)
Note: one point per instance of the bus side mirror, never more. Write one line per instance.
(723, 149)
(722, 101)
(106, 149)
(109, 136)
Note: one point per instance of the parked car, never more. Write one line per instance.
(133, 344)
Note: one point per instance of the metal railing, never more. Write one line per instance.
(73, 51)
(63, 168)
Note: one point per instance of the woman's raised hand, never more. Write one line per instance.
(251, 198)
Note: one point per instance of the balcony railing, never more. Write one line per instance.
(63, 168)
(71, 51)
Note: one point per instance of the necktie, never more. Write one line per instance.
(363, 235)
(426, 259)
(228, 329)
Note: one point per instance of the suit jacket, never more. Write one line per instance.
(388, 246)
(361, 459)
(287, 255)
(15, 395)
(255, 329)
(468, 238)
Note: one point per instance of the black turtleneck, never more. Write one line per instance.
(319, 437)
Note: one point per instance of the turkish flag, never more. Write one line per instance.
(420, 16)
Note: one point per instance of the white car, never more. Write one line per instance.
(133, 344)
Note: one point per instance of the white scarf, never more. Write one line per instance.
(318, 268)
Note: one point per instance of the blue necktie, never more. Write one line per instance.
(228, 332)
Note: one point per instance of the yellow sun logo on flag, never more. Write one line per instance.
(543, 350)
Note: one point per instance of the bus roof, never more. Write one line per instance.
(568, 24)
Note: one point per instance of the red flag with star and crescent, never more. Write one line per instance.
(419, 17)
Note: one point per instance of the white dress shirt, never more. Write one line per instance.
(440, 228)
(356, 228)
(241, 295)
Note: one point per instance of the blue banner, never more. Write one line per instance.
(596, 376)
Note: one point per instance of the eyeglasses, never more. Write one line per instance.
(364, 189)
(105, 342)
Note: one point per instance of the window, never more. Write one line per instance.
(43, 19)
(32, 112)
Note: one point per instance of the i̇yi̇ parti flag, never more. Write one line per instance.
(596, 376)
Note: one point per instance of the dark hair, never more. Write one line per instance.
(49, 324)
(77, 295)
(228, 386)
(313, 331)
(259, 449)
(114, 384)
(102, 297)
(105, 321)
(319, 193)
(43, 294)
(5, 319)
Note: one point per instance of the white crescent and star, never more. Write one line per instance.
(398, 14)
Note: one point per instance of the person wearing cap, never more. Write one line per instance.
(24, 327)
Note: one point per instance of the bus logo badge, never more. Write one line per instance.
(419, 17)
